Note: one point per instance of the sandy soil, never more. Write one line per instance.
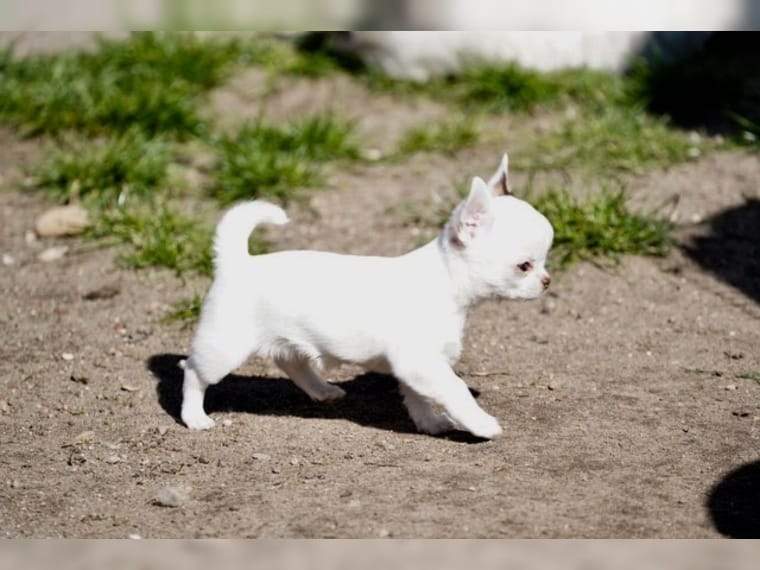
(618, 392)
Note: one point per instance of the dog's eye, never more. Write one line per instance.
(525, 266)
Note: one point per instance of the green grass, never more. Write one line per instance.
(127, 167)
(185, 311)
(507, 87)
(753, 375)
(479, 85)
(154, 235)
(151, 81)
(264, 160)
(617, 140)
(158, 237)
(446, 137)
(600, 229)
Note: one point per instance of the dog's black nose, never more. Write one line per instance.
(546, 281)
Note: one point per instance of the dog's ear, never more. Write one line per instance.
(474, 214)
(499, 183)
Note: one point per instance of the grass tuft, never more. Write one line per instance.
(150, 81)
(447, 137)
(264, 160)
(500, 87)
(106, 172)
(601, 228)
(616, 140)
(185, 311)
(158, 237)
(753, 375)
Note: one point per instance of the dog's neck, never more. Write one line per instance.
(465, 288)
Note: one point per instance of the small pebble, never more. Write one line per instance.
(8, 259)
(384, 533)
(730, 387)
(104, 292)
(62, 221)
(373, 154)
(130, 388)
(84, 437)
(162, 430)
(30, 237)
(134, 537)
(67, 356)
(113, 459)
(172, 497)
(53, 253)
(548, 307)
(226, 423)
(4, 406)
(261, 456)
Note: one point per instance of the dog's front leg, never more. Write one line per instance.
(433, 379)
(425, 418)
(193, 394)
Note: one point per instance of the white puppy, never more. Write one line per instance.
(399, 315)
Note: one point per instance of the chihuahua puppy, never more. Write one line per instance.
(405, 315)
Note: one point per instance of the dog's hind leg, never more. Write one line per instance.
(425, 418)
(303, 375)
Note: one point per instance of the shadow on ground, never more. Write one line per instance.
(734, 502)
(371, 399)
(715, 87)
(728, 246)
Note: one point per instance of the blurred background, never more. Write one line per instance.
(554, 15)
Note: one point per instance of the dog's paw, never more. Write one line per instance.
(198, 421)
(486, 427)
(328, 393)
(435, 424)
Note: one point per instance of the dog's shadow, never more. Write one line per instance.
(371, 399)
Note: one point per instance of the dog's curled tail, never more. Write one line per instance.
(235, 227)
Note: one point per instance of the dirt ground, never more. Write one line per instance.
(619, 393)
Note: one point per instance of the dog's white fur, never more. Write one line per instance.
(402, 315)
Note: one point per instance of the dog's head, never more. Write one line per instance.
(502, 240)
